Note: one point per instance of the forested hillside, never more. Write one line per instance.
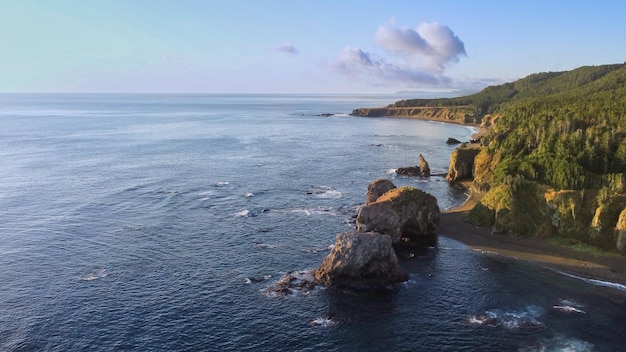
(555, 162)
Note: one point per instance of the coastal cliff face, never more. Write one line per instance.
(462, 164)
(450, 114)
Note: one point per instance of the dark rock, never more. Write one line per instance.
(410, 171)
(294, 282)
(453, 141)
(361, 261)
(377, 189)
(422, 170)
(408, 215)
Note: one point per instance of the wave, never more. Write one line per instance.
(596, 282)
(391, 172)
(558, 343)
(95, 275)
(242, 214)
(322, 322)
(324, 192)
(521, 322)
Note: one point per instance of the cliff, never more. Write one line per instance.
(459, 115)
(462, 164)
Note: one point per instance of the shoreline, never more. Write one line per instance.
(604, 268)
(539, 251)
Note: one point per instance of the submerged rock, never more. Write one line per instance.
(408, 215)
(361, 261)
(292, 283)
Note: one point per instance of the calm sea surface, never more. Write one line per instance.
(157, 222)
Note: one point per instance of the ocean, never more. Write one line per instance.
(158, 222)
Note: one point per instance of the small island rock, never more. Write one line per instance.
(361, 261)
(408, 215)
(423, 169)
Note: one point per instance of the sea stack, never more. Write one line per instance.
(408, 215)
(361, 261)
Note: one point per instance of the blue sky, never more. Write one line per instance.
(298, 46)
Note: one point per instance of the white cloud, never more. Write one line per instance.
(286, 48)
(418, 57)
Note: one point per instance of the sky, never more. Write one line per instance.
(291, 46)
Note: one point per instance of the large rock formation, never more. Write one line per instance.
(377, 189)
(408, 215)
(462, 164)
(361, 261)
(422, 170)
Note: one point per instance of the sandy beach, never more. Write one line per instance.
(607, 267)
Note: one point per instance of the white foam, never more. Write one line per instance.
(392, 171)
(596, 282)
(95, 275)
(569, 309)
(301, 211)
(322, 322)
(248, 195)
(525, 321)
(265, 245)
(325, 192)
(559, 343)
(244, 213)
(222, 184)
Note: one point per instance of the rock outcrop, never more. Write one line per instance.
(361, 261)
(620, 230)
(462, 164)
(408, 215)
(453, 141)
(424, 167)
(377, 189)
(422, 170)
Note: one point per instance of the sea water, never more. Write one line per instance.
(157, 223)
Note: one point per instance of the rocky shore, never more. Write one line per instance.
(607, 267)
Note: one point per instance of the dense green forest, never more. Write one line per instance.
(556, 131)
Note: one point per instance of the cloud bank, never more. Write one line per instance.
(412, 57)
(286, 48)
